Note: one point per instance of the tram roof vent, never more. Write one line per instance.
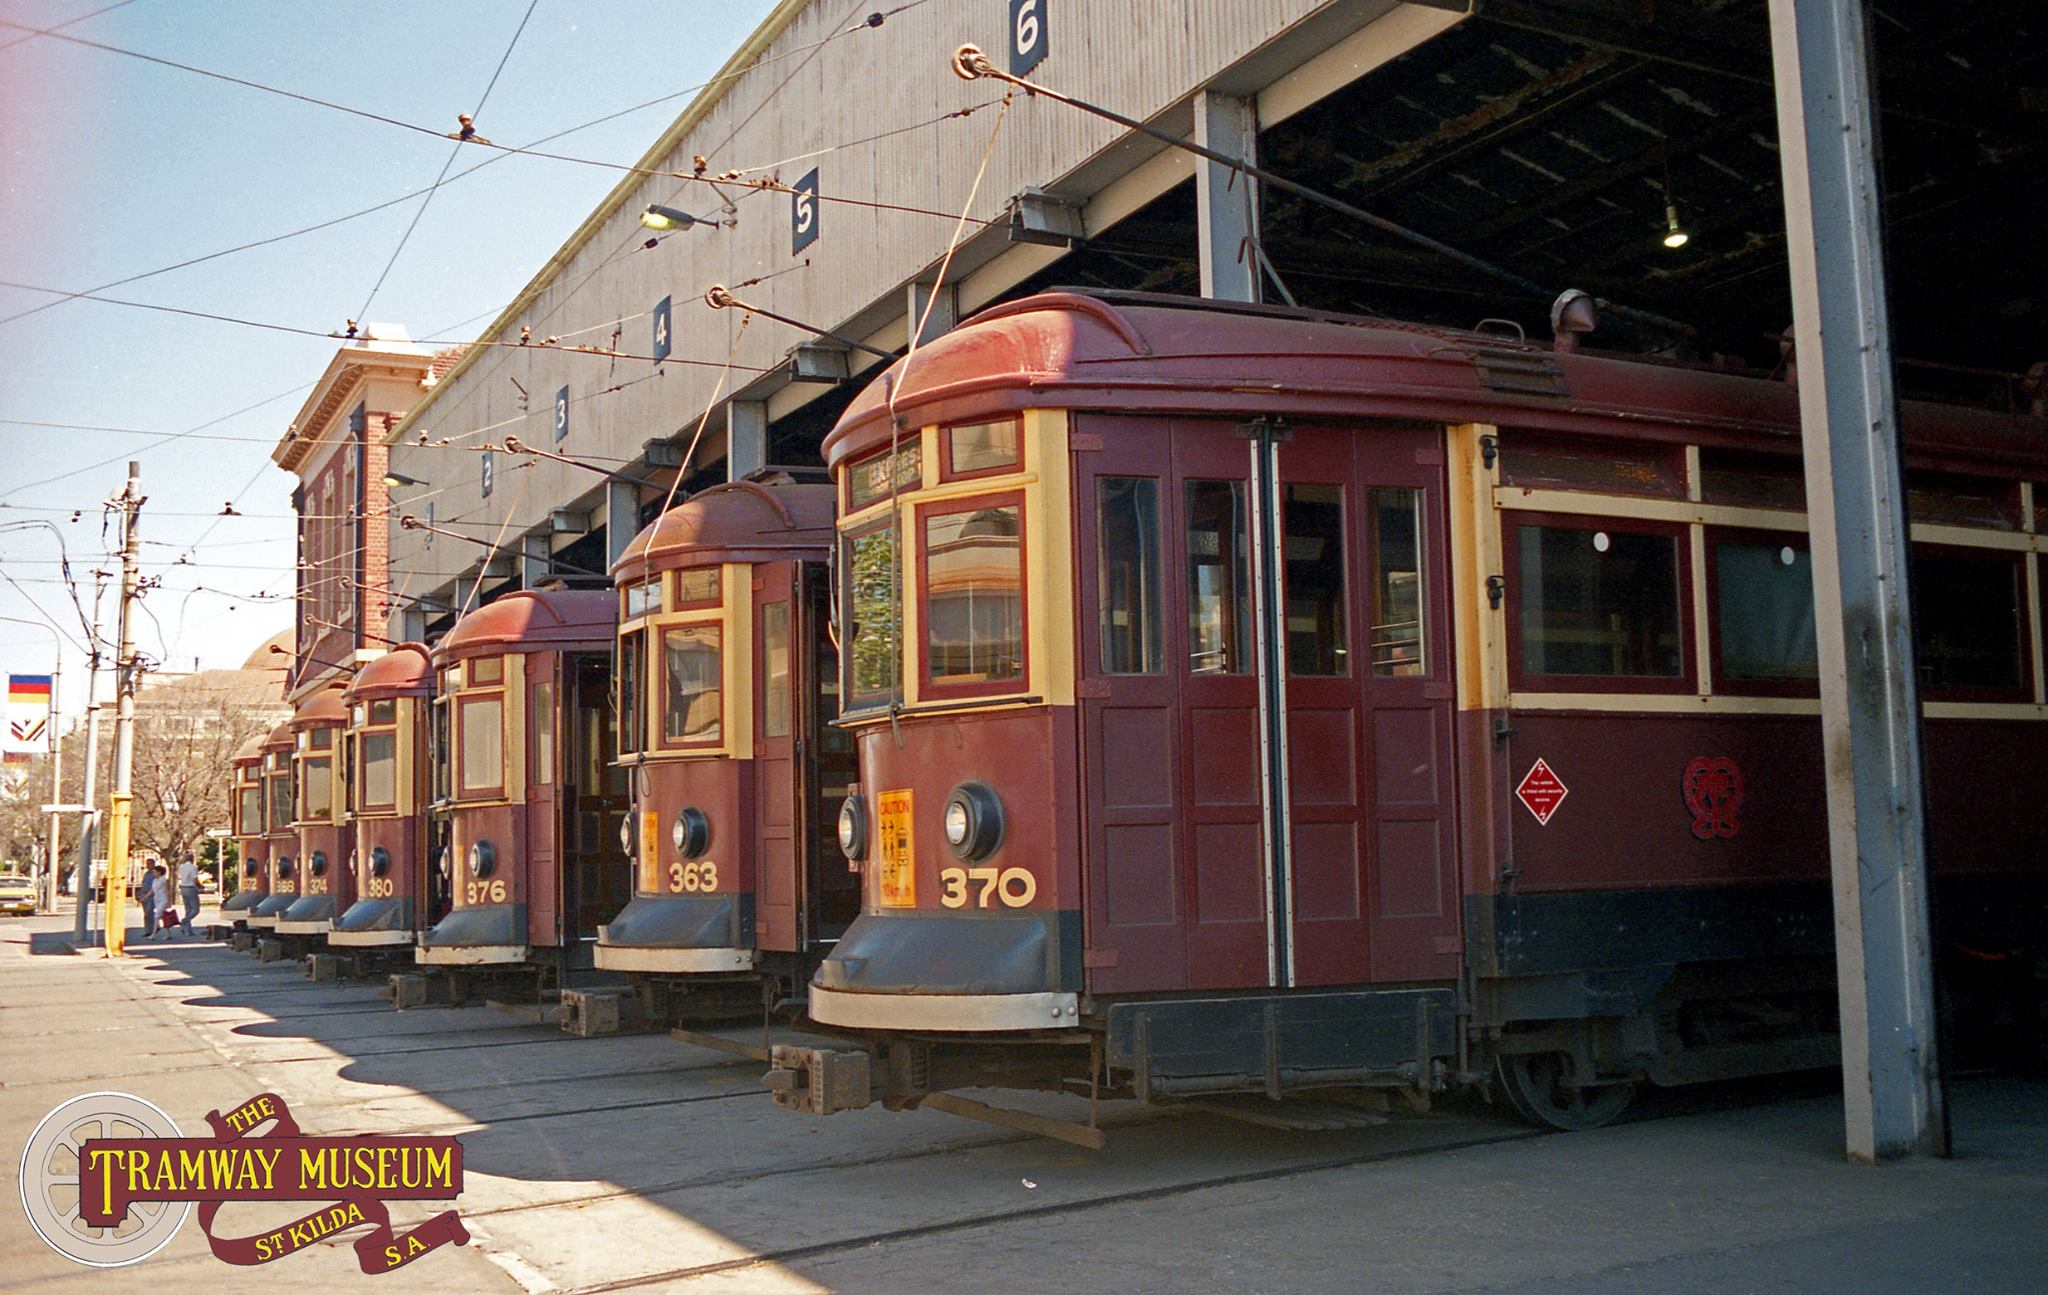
(1511, 368)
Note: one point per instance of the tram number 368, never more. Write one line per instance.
(693, 876)
(1015, 887)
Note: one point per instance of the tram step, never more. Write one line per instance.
(537, 1013)
(270, 951)
(591, 1012)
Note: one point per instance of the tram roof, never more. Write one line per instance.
(406, 670)
(279, 738)
(250, 752)
(1151, 354)
(740, 521)
(529, 619)
(328, 706)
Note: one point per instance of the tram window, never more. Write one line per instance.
(697, 587)
(1763, 610)
(486, 669)
(775, 670)
(442, 773)
(643, 598)
(1753, 480)
(1952, 499)
(1127, 571)
(974, 594)
(1219, 579)
(632, 659)
(1607, 466)
(1599, 603)
(319, 739)
(482, 754)
(693, 692)
(543, 743)
(1967, 621)
(384, 712)
(1313, 545)
(318, 774)
(874, 600)
(280, 801)
(250, 822)
(981, 447)
(380, 770)
(1395, 527)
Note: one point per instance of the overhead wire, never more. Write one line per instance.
(68, 22)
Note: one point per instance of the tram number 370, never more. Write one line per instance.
(1015, 887)
(693, 876)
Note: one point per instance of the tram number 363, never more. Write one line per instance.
(1015, 887)
(693, 876)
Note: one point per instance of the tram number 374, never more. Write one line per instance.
(693, 876)
(1015, 887)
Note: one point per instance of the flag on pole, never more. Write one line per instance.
(28, 725)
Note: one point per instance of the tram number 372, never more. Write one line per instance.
(1015, 887)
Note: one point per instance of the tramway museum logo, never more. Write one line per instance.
(107, 1180)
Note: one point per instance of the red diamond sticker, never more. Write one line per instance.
(1541, 791)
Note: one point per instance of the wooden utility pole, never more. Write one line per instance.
(127, 680)
(88, 799)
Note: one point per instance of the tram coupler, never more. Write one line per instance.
(821, 1081)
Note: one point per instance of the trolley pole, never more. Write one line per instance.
(89, 817)
(1856, 509)
(47, 901)
(127, 677)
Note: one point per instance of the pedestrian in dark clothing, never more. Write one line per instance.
(148, 893)
(188, 891)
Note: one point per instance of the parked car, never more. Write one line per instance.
(17, 895)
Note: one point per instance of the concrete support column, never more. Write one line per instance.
(945, 314)
(1856, 508)
(746, 437)
(1226, 202)
(621, 518)
(533, 560)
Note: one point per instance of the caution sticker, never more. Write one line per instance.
(896, 879)
(1541, 792)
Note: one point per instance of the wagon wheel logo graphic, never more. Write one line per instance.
(49, 1182)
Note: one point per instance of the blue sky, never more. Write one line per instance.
(111, 166)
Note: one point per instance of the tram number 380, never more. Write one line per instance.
(1015, 887)
(693, 876)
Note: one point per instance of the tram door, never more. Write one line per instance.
(1266, 726)
(597, 878)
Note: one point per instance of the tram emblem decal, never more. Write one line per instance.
(1713, 796)
(108, 1180)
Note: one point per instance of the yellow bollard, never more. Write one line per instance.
(117, 875)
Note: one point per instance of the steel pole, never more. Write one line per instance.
(49, 886)
(127, 678)
(1870, 703)
(89, 820)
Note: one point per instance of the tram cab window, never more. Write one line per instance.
(250, 821)
(1968, 621)
(1312, 546)
(280, 801)
(543, 721)
(693, 692)
(1763, 610)
(1219, 579)
(481, 756)
(974, 594)
(1599, 602)
(632, 669)
(874, 605)
(380, 770)
(1395, 528)
(1127, 571)
(775, 670)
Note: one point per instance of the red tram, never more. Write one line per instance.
(726, 687)
(280, 841)
(326, 839)
(390, 784)
(1252, 701)
(253, 885)
(536, 804)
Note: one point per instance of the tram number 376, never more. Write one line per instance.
(484, 892)
(1015, 887)
(693, 876)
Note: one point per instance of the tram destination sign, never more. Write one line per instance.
(1541, 791)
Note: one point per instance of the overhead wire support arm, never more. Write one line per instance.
(411, 523)
(513, 445)
(970, 64)
(718, 297)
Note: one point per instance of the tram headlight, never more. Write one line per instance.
(973, 821)
(691, 834)
(317, 865)
(249, 866)
(626, 834)
(380, 861)
(853, 827)
(483, 859)
(284, 867)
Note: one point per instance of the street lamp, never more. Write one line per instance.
(395, 479)
(663, 219)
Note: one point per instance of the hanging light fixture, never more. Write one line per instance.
(1675, 236)
(663, 219)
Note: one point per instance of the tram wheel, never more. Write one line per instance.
(1538, 1085)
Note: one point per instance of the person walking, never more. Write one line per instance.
(160, 885)
(148, 894)
(188, 892)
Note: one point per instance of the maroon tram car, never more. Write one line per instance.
(253, 882)
(326, 838)
(390, 784)
(534, 858)
(280, 838)
(1253, 701)
(727, 682)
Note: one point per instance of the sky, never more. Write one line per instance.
(111, 166)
